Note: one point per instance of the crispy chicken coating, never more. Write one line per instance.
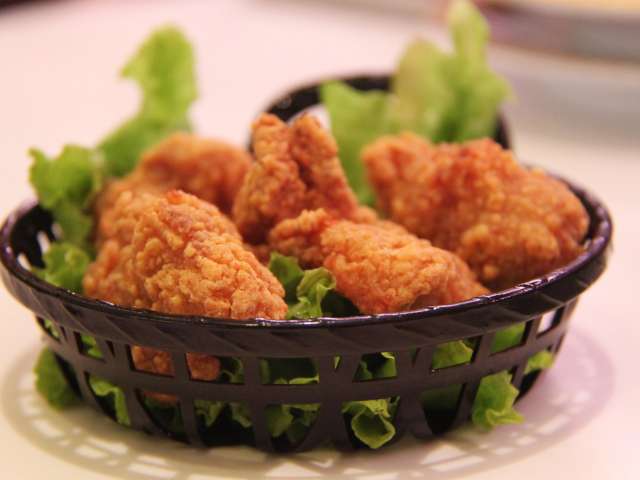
(184, 257)
(296, 168)
(509, 223)
(209, 169)
(379, 269)
(301, 237)
(181, 256)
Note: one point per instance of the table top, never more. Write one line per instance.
(59, 62)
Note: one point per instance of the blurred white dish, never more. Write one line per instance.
(588, 29)
(622, 9)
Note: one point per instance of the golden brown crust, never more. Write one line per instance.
(184, 257)
(380, 269)
(296, 168)
(510, 224)
(300, 237)
(272, 190)
(316, 153)
(386, 271)
(209, 169)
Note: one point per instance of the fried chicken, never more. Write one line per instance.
(509, 223)
(181, 255)
(296, 168)
(379, 269)
(184, 257)
(209, 169)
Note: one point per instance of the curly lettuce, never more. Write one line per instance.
(51, 382)
(309, 293)
(67, 184)
(163, 68)
(114, 396)
(65, 265)
(442, 96)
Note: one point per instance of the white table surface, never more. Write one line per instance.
(58, 64)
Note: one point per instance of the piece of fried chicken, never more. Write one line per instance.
(296, 168)
(178, 254)
(209, 169)
(379, 269)
(509, 223)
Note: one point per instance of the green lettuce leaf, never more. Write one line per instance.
(496, 395)
(357, 119)
(114, 396)
(451, 353)
(376, 365)
(65, 265)
(231, 370)
(479, 90)
(442, 96)
(240, 414)
(90, 346)
(303, 417)
(423, 98)
(164, 69)
(209, 410)
(507, 338)
(371, 420)
(494, 402)
(51, 328)
(309, 293)
(279, 419)
(51, 382)
(540, 361)
(512, 336)
(66, 186)
(288, 272)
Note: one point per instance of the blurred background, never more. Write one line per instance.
(574, 66)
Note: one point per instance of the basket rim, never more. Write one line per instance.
(598, 240)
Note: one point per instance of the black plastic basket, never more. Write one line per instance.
(543, 305)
